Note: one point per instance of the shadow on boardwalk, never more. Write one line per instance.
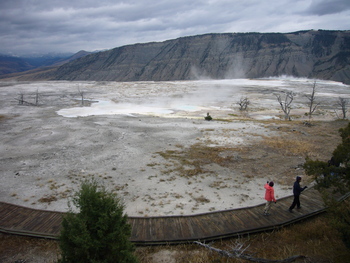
(173, 229)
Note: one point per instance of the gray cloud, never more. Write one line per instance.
(35, 26)
(326, 7)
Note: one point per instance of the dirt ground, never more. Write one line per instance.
(158, 163)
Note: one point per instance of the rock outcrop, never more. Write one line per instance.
(313, 54)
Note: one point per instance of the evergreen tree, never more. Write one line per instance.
(336, 174)
(99, 232)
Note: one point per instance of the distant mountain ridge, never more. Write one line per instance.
(13, 64)
(313, 54)
(9, 64)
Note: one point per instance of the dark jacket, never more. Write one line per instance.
(297, 189)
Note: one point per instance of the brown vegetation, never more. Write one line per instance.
(279, 156)
(315, 239)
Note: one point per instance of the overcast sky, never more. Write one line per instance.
(42, 26)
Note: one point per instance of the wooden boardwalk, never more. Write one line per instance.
(173, 229)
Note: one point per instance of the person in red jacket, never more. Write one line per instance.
(269, 197)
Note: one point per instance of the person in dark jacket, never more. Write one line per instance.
(297, 189)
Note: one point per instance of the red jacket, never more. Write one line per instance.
(270, 193)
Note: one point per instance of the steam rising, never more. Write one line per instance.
(173, 99)
(237, 68)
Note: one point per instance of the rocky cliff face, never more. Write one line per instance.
(313, 54)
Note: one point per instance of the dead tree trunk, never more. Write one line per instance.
(36, 98)
(311, 98)
(21, 99)
(286, 103)
(239, 253)
(81, 93)
(343, 105)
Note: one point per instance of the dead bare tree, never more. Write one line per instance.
(81, 93)
(36, 98)
(21, 98)
(22, 101)
(243, 103)
(239, 252)
(29, 96)
(312, 104)
(343, 103)
(286, 103)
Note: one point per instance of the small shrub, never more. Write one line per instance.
(208, 117)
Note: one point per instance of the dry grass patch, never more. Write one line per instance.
(152, 164)
(279, 157)
(48, 199)
(291, 146)
(314, 238)
(219, 185)
(189, 162)
(318, 140)
(177, 196)
(197, 154)
(201, 199)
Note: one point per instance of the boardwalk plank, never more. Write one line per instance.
(196, 227)
(173, 229)
(6, 212)
(211, 226)
(184, 228)
(237, 221)
(227, 222)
